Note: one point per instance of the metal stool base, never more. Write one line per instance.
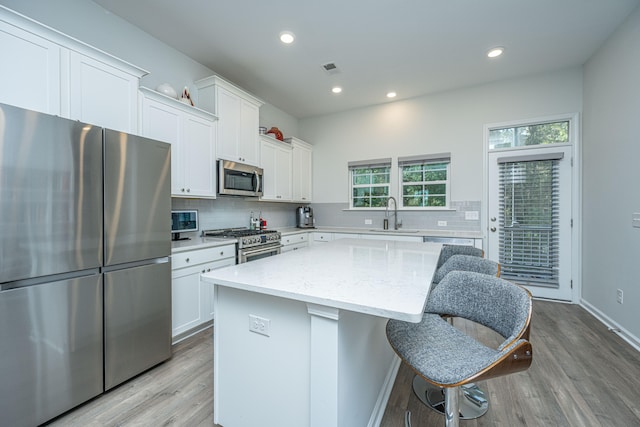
(473, 403)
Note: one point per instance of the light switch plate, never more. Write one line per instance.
(442, 223)
(368, 222)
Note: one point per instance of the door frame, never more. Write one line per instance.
(576, 190)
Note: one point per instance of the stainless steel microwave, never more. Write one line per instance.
(238, 179)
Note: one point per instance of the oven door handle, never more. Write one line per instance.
(260, 251)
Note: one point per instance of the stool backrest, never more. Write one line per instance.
(493, 302)
(450, 250)
(467, 263)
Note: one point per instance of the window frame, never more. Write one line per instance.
(431, 159)
(369, 164)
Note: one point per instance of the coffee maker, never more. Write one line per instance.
(304, 217)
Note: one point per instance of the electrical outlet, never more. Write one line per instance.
(472, 215)
(368, 222)
(259, 325)
(635, 220)
(442, 223)
(620, 296)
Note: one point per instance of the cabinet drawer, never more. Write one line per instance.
(322, 237)
(295, 239)
(201, 256)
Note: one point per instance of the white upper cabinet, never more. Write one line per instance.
(302, 172)
(191, 133)
(47, 71)
(238, 119)
(101, 94)
(30, 71)
(275, 158)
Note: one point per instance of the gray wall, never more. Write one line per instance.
(446, 122)
(611, 183)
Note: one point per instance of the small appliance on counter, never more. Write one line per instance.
(304, 217)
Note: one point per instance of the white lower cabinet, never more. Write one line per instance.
(191, 298)
(394, 237)
(294, 242)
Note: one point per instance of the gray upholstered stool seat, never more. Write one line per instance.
(446, 357)
(433, 348)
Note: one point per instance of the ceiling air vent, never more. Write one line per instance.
(330, 68)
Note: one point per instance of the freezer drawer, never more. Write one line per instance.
(50, 349)
(137, 304)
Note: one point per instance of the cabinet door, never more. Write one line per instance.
(276, 163)
(162, 122)
(268, 164)
(301, 174)
(186, 302)
(283, 174)
(198, 157)
(248, 141)
(229, 122)
(101, 94)
(30, 73)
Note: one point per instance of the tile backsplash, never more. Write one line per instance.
(338, 215)
(225, 212)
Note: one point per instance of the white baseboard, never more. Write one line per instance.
(385, 392)
(612, 325)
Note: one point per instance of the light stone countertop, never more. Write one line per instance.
(383, 278)
(199, 243)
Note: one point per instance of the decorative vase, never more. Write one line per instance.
(276, 133)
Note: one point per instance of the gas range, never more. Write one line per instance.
(247, 238)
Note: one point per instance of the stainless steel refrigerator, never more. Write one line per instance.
(85, 275)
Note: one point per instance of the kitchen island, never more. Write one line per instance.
(299, 338)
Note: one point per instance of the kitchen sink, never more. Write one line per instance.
(401, 230)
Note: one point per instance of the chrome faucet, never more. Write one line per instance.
(396, 224)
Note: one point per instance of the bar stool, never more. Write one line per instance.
(473, 403)
(446, 357)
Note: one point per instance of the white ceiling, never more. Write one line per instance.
(413, 47)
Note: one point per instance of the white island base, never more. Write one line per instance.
(325, 360)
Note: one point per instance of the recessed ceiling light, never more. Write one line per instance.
(391, 94)
(495, 52)
(336, 89)
(287, 37)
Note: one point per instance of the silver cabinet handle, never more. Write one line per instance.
(493, 219)
(221, 252)
(187, 260)
(493, 229)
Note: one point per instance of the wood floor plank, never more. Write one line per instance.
(582, 375)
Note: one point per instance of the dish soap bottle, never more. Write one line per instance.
(252, 223)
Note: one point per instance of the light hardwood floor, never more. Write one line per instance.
(581, 375)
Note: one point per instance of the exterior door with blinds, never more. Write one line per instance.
(529, 218)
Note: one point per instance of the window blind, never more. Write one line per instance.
(374, 163)
(529, 221)
(424, 159)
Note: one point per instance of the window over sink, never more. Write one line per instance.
(370, 183)
(424, 181)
